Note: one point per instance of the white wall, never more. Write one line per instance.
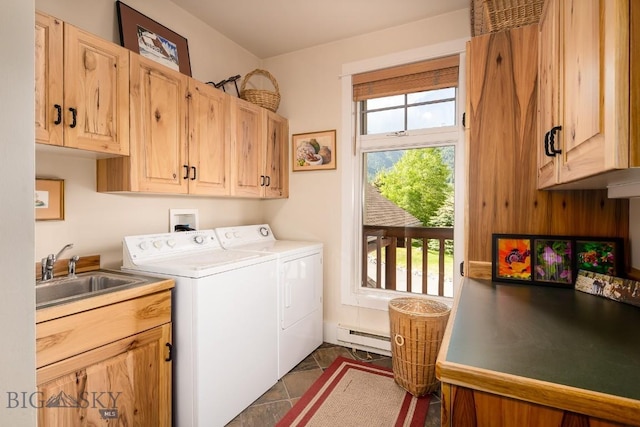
(17, 293)
(309, 83)
(96, 222)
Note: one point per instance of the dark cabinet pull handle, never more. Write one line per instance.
(546, 145)
(186, 171)
(268, 181)
(261, 180)
(169, 358)
(193, 168)
(74, 117)
(58, 108)
(552, 140)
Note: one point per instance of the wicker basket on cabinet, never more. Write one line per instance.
(264, 98)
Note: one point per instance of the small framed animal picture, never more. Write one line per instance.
(512, 258)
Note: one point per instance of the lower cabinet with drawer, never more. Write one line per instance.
(107, 365)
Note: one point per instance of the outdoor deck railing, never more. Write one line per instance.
(375, 238)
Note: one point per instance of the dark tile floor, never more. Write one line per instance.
(274, 404)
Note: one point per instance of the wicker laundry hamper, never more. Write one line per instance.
(417, 327)
(264, 98)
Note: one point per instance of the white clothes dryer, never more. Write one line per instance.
(300, 288)
(224, 316)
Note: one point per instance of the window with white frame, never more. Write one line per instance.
(406, 179)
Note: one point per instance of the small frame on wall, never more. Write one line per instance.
(512, 258)
(152, 40)
(49, 199)
(314, 150)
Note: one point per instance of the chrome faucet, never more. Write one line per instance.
(49, 261)
(72, 265)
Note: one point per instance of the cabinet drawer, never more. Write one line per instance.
(68, 336)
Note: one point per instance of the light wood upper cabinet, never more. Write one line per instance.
(276, 156)
(159, 106)
(82, 89)
(259, 151)
(584, 90)
(209, 144)
(179, 138)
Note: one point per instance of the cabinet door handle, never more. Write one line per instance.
(546, 145)
(58, 108)
(552, 139)
(268, 180)
(193, 169)
(74, 117)
(169, 358)
(186, 171)
(261, 180)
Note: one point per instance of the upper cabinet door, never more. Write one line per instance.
(247, 170)
(159, 107)
(209, 144)
(591, 91)
(549, 90)
(276, 156)
(96, 93)
(48, 79)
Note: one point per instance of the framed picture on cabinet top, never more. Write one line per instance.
(314, 151)
(152, 40)
(49, 199)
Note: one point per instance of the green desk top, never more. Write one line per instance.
(550, 334)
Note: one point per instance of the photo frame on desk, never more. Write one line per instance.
(512, 258)
(554, 260)
(152, 40)
(49, 199)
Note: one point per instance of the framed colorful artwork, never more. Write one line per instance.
(599, 255)
(152, 40)
(512, 258)
(553, 260)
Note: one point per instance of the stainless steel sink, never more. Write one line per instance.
(66, 289)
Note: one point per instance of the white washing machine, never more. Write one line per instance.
(224, 321)
(300, 286)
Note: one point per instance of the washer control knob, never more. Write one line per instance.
(198, 239)
(236, 235)
(157, 244)
(228, 234)
(264, 231)
(143, 245)
(171, 243)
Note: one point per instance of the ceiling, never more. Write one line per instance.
(268, 28)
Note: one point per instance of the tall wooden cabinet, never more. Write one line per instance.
(585, 79)
(502, 194)
(259, 151)
(81, 89)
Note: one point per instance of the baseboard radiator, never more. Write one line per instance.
(362, 339)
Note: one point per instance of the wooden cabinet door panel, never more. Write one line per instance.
(247, 148)
(549, 90)
(276, 157)
(96, 86)
(133, 380)
(209, 148)
(48, 79)
(158, 128)
(595, 47)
